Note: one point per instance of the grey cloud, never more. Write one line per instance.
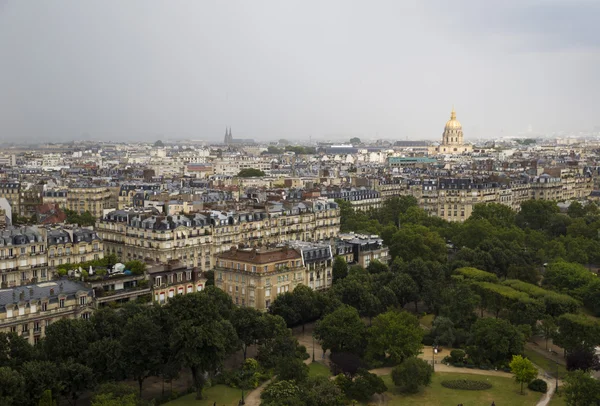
(271, 69)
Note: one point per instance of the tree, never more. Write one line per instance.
(443, 331)
(576, 331)
(246, 322)
(411, 374)
(68, 339)
(376, 267)
(346, 363)
(341, 331)
(354, 140)
(14, 350)
(567, 277)
(575, 210)
(416, 241)
(76, 378)
(284, 306)
(396, 335)
(340, 269)
(39, 376)
(11, 387)
(499, 215)
(547, 328)
(494, 341)
(203, 347)
(159, 143)
(405, 288)
(291, 369)
(210, 278)
(362, 387)
(304, 299)
(523, 370)
(47, 399)
(459, 303)
(107, 323)
(105, 358)
(321, 391)
(581, 389)
(584, 358)
(141, 343)
(536, 214)
(250, 173)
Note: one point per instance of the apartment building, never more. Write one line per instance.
(73, 246)
(31, 197)
(195, 239)
(167, 281)
(361, 198)
(453, 199)
(23, 258)
(317, 258)
(11, 191)
(366, 248)
(55, 197)
(232, 165)
(94, 199)
(29, 309)
(255, 277)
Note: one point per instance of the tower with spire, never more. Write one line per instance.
(228, 136)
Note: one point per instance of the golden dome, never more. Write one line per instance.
(453, 123)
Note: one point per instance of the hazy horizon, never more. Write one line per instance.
(147, 70)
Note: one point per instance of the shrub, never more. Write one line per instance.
(466, 384)
(457, 355)
(538, 385)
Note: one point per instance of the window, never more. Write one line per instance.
(188, 275)
(85, 316)
(253, 268)
(82, 300)
(61, 303)
(44, 306)
(25, 328)
(267, 303)
(268, 292)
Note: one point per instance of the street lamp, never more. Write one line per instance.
(556, 375)
(313, 347)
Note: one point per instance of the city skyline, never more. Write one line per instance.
(271, 70)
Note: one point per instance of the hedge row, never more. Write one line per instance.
(556, 303)
(476, 274)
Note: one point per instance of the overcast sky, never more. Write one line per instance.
(148, 69)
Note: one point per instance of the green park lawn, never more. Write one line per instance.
(504, 391)
(545, 363)
(318, 369)
(222, 394)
